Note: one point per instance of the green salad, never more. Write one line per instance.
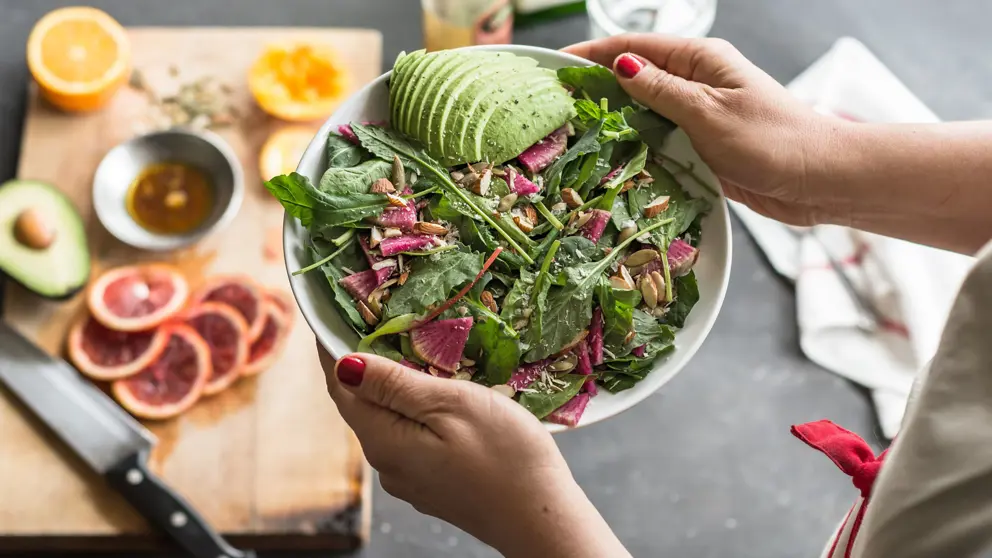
(511, 226)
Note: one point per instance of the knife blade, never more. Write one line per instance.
(106, 437)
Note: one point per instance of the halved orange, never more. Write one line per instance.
(79, 56)
(299, 81)
(283, 150)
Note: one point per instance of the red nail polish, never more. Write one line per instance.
(628, 66)
(350, 371)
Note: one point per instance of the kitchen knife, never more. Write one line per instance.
(107, 438)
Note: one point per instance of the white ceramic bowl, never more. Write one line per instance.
(712, 270)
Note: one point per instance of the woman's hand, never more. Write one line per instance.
(468, 455)
(760, 141)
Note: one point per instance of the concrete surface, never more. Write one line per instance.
(707, 467)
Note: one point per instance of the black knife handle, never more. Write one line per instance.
(165, 509)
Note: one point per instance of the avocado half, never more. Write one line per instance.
(42, 239)
(466, 107)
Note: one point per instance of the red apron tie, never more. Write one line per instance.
(852, 455)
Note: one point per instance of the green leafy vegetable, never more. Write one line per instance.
(577, 250)
(542, 400)
(630, 170)
(399, 324)
(431, 280)
(354, 180)
(341, 153)
(497, 351)
(317, 210)
(686, 296)
(682, 210)
(341, 299)
(588, 143)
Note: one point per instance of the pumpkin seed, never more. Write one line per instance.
(641, 257)
(506, 202)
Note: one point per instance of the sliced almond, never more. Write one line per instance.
(395, 200)
(575, 341)
(650, 292)
(641, 257)
(644, 174)
(468, 180)
(655, 207)
(391, 233)
(626, 232)
(403, 277)
(530, 213)
(523, 223)
(626, 276)
(384, 186)
(571, 198)
(506, 202)
(383, 264)
(559, 207)
(367, 314)
(504, 389)
(489, 301)
(630, 337)
(620, 283)
(481, 186)
(375, 237)
(659, 284)
(457, 176)
(430, 228)
(399, 173)
(627, 186)
(583, 219)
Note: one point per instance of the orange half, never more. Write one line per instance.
(79, 56)
(299, 82)
(283, 150)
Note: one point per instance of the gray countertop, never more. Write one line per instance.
(706, 467)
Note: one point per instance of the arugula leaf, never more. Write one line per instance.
(614, 124)
(517, 301)
(539, 296)
(624, 372)
(681, 209)
(432, 279)
(318, 210)
(588, 143)
(396, 325)
(341, 299)
(543, 401)
(630, 170)
(686, 296)
(354, 180)
(602, 168)
(341, 153)
(570, 307)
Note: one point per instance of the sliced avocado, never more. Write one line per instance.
(447, 100)
(445, 77)
(42, 239)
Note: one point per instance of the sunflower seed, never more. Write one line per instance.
(506, 202)
(399, 173)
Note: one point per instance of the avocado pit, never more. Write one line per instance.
(32, 230)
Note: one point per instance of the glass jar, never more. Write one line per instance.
(685, 18)
(459, 23)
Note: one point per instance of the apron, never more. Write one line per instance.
(930, 495)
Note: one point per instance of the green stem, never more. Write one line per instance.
(687, 169)
(344, 237)
(316, 265)
(430, 190)
(549, 216)
(437, 250)
(545, 266)
(668, 276)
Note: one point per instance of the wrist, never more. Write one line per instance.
(832, 168)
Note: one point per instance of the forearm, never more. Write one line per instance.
(560, 522)
(927, 183)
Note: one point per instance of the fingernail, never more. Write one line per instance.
(628, 66)
(350, 371)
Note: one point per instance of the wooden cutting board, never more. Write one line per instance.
(269, 462)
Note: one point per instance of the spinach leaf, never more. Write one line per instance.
(570, 307)
(539, 296)
(497, 350)
(619, 215)
(354, 180)
(588, 143)
(585, 170)
(341, 153)
(695, 231)
(396, 325)
(602, 168)
(652, 128)
(625, 371)
(382, 348)
(686, 296)
(647, 328)
(617, 316)
(681, 209)
(317, 210)
(543, 400)
(516, 303)
(576, 250)
(431, 280)
(341, 299)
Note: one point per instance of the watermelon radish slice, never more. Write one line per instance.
(525, 375)
(639, 352)
(543, 153)
(611, 175)
(584, 367)
(349, 134)
(360, 285)
(407, 243)
(441, 343)
(372, 257)
(402, 218)
(681, 257)
(594, 227)
(412, 365)
(595, 339)
(519, 183)
(570, 413)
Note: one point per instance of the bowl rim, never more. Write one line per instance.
(688, 351)
(161, 242)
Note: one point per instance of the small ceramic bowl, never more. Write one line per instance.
(122, 165)
(712, 270)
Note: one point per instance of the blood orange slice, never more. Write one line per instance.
(105, 354)
(283, 301)
(239, 292)
(137, 298)
(267, 348)
(172, 382)
(226, 333)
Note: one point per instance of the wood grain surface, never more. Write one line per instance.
(269, 462)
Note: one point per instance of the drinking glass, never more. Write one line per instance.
(685, 18)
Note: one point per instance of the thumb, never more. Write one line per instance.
(388, 384)
(667, 94)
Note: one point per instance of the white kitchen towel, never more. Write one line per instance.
(869, 308)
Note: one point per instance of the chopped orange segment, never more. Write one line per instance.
(299, 82)
(283, 150)
(79, 56)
